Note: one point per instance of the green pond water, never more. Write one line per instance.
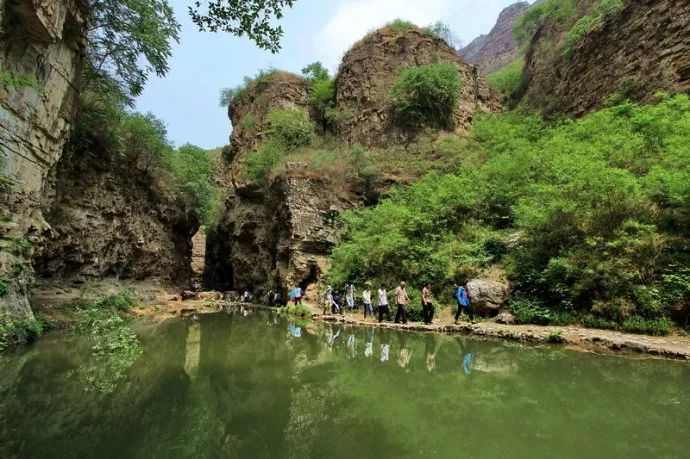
(239, 384)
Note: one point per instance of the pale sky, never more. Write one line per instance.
(315, 30)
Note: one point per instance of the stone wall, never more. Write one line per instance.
(42, 40)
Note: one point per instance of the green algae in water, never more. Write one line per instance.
(230, 385)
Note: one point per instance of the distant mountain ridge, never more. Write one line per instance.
(497, 48)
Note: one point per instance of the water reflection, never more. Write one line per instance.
(256, 385)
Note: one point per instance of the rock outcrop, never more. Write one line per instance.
(494, 50)
(275, 236)
(487, 296)
(40, 60)
(369, 70)
(636, 53)
(109, 219)
(248, 113)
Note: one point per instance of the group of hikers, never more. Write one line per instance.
(332, 300)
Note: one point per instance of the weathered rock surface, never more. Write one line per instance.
(109, 219)
(640, 51)
(248, 113)
(492, 51)
(42, 40)
(369, 70)
(274, 237)
(487, 296)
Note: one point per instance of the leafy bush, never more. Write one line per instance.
(602, 10)
(192, 171)
(508, 78)
(290, 128)
(442, 31)
(338, 115)
(401, 26)
(527, 25)
(263, 160)
(3, 286)
(555, 337)
(228, 95)
(122, 301)
(15, 330)
(426, 95)
(658, 326)
(593, 321)
(321, 88)
(530, 312)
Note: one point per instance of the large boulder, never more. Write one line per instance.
(369, 70)
(487, 296)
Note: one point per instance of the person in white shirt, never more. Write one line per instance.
(383, 303)
(366, 299)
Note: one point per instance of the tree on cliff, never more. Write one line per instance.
(129, 39)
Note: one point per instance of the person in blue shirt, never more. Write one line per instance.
(463, 303)
(297, 294)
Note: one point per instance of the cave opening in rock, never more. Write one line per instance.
(312, 278)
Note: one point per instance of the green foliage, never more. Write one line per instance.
(128, 40)
(229, 95)
(507, 79)
(297, 310)
(15, 330)
(532, 20)
(123, 301)
(587, 215)
(338, 115)
(601, 11)
(290, 128)
(192, 174)
(442, 31)
(3, 286)
(321, 87)
(239, 17)
(555, 337)
(658, 326)
(426, 95)
(143, 140)
(263, 160)
(11, 80)
(401, 26)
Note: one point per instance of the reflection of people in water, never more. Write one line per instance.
(352, 345)
(430, 348)
(331, 337)
(405, 353)
(369, 345)
(294, 330)
(468, 363)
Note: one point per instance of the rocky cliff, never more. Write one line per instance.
(275, 236)
(248, 112)
(492, 51)
(40, 60)
(637, 52)
(369, 69)
(109, 219)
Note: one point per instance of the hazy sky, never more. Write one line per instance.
(203, 63)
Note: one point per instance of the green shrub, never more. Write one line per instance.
(263, 160)
(123, 301)
(290, 128)
(594, 321)
(14, 330)
(3, 286)
(555, 337)
(527, 25)
(338, 115)
(582, 27)
(658, 326)
(321, 87)
(193, 172)
(401, 26)
(443, 31)
(530, 312)
(11, 80)
(426, 95)
(238, 93)
(507, 79)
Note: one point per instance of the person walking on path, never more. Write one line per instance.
(427, 304)
(401, 301)
(366, 299)
(463, 303)
(383, 304)
(350, 296)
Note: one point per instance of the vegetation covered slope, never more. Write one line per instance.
(588, 217)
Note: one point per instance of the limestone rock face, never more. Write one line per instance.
(41, 50)
(642, 50)
(492, 51)
(274, 237)
(487, 296)
(369, 70)
(248, 113)
(109, 219)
